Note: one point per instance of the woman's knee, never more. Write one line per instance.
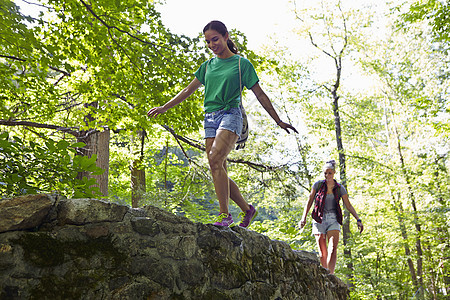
(333, 240)
(215, 160)
(332, 248)
(321, 244)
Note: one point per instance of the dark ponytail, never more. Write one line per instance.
(233, 48)
(222, 29)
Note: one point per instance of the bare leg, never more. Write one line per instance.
(333, 240)
(217, 150)
(322, 246)
(235, 194)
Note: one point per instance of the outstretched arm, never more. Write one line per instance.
(265, 102)
(352, 210)
(183, 95)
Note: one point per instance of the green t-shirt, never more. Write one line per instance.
(221, 81)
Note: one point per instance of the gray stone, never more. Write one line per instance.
(91, 249)
(25, 212)
(146, 226)
(85, 211)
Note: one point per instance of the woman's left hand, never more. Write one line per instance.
(287, 126)
(360, 226)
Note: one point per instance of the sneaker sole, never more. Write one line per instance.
(230, 225)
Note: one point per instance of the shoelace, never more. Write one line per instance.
(221, 217)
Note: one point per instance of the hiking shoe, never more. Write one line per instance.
(248, 216)
(224, 220)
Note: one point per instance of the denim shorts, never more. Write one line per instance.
(223, 119)
(329, 222)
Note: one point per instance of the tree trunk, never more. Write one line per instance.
(97, 143)
(442, 230)
(417, 278)
(337, 57)
(346, 234)
(412, 199)
(398, 208)
(138, 185)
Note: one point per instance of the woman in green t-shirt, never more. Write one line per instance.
(223, 118)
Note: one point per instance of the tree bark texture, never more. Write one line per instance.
(97, 143)
(138, 184)
(346, 235)
(412, 199)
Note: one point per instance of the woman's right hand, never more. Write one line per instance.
(301, 223)
(155, 111)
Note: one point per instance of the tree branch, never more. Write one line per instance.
(24, 60)
(110, 27)
(12, 57)
(255, 166)
(72, 131)
(182, 138)
(37, 4)
(88, 7)
(345, 31)
(317, 46)
(59, 70)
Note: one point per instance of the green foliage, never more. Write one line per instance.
(437, 14)
(396, 138)
(82, 66)
(172, 183)
(47, 167)
(119, 55)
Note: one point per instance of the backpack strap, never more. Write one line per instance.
(240, 79)
(321, 182)
(319, 202)
(240, 144)
(206, 68)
